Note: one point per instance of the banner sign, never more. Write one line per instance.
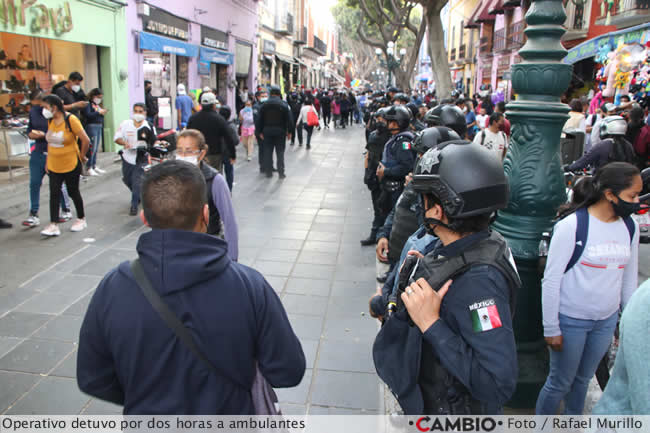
(608, 42)
(217, 56)
(214, 38)
(161, 44)
(166, 24)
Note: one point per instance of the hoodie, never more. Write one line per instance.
(128, 355)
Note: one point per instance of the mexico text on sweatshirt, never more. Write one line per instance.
(602, 280)
(128, 355)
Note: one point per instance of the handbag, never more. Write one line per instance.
(312, 118)
(265, 401)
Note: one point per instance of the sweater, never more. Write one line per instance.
(627, 390)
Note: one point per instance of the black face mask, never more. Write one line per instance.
(381, 127)
(625, 208)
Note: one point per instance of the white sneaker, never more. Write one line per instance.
(51, 230)
(78, 225)
(249, 159)
(32, 221)
(92, 172)
(65, 217)
(100, 171)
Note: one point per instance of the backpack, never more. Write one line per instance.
(312, 118)
(57, 86)
(582, 229)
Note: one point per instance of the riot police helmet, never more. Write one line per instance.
(400, 114)
(431, 138)
(449, 116)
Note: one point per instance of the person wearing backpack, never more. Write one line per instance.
(73, 97)
(307, 119)
(64, 161)
(590, 274)
(493, 138)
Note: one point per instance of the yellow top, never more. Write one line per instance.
(62, 148)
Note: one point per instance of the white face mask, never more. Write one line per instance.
(47, 113)
(97, 101)
(192, 159)
(138, 117)
(75, 88)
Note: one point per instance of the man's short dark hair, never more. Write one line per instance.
(495, 117)
(75, 76)
(501, 107)
(627, 97)
(140, 104)
(146, 82)
(173, 195)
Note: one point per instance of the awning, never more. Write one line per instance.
(217, 56)
(285, 59)
(471, 22)
(149, 41)
(511, 3)
(608, 42)
(496, 7)
(299, 61)
(485, 15)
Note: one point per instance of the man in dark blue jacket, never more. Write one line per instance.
(129, 356)
(274, 122)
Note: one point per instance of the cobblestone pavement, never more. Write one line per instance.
(302, 233)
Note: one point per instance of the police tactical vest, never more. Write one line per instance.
(405, 222)
(214, 224)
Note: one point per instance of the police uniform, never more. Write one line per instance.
(398, 159)
(376, 142)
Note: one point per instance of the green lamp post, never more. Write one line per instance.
(533, 167)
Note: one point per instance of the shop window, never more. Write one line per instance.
(157, 69)
(182, 70)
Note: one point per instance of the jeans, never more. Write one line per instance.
(584, 342)
(229, 173)
(132, 178)
(260, 152)
(71, 180)
(310, 131)
(36, 173)
(278, 143)
(95, 134)
(327, 115)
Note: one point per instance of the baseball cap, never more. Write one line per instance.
(208, 98)
(180, 89)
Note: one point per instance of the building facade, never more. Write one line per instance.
(197, 43)
(462, 44)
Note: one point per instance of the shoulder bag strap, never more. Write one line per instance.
(582, 228)
(629, 224)
(172, 321)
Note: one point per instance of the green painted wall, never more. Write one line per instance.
(91, 22)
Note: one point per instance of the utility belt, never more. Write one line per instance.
(391, 185)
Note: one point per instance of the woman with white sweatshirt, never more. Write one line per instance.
(303, 121)
(590, 274)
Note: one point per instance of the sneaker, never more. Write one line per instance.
(51, 230)
(32, 221)
(79, 225)
(249, 159)
(92, 172)
(283, 176)
(5, 224)
(65, 217)
(100, 171)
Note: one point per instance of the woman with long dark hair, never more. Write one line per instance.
(94, 114)
(64, 161)
(590, 274)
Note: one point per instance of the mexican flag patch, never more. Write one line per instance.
(406, 145)
(485, 315)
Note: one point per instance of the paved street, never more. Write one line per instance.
(302, 233)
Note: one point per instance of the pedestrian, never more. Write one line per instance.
(470, 119)
(94, 115)
(294, 99)
(184, 106)
(136, 137)
(307, 120)
(505, 127)
(607, 109)
(638, 133)
(460, 358)
(220, 137)
(247, 121)
(482, 118)
(274, 123)
(188, 276)
(593, 255)
(261, 97)
(64, 161)
(326, 107)
(36, 130)
(192, 148)
(151, 103)
(336, 110)
(74, 99)
(493, 138)
(229, 157)
(627, 390)
(576, 120)
(346, 107)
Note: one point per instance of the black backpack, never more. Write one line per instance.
(57, 86)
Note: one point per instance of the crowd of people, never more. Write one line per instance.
(447, 301)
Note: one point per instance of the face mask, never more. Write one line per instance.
(381, 126)
(192, 159)
(47, 113)
(248, 109)
(264, 99)
(97, 101)
(138, 117)
(76, 88)
(625, 208)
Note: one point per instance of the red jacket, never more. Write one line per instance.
(642, 143)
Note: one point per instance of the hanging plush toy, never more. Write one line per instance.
(609, 75)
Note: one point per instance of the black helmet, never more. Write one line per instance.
(467, 179)
(402, 97)
(455, 93)
(413, 107)
(392, 89)
(381, 112)
(399, 114)
(449, 116)
(225, 111)
(430, 138)
(275, 90)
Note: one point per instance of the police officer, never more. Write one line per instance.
(454, 339)
(449, 116)
(401, 99)
(295, 99)
(375, 147)
(416, 124)
(274, 123)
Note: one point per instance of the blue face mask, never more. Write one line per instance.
(248, 109)
(263, 99)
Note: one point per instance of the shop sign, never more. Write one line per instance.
(608, 42)
(166, 24)
(204, 67)
(214, 38)
(268, 46)
(12, 13)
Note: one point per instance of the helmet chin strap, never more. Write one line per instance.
(435, 222)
